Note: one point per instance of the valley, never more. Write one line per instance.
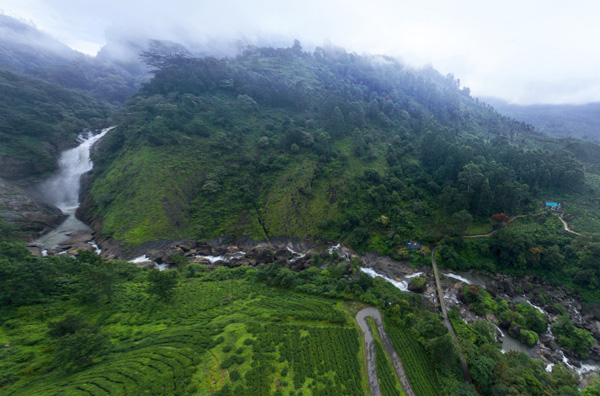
(287, 222)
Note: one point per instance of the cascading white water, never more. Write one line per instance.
(62, 189)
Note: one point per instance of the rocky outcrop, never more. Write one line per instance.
(30, 216)
(14, 169)
(418, 284)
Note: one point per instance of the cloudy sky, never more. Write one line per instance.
(524, 51)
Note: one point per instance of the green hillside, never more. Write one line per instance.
(38, 120)
(87, 326)
(279, 142)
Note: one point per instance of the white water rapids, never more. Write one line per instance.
(62, 189)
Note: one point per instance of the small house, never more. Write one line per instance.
(414, 246)
(552, 206)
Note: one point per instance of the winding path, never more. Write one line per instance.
(361, 319)
(566, 225)
(440, 293)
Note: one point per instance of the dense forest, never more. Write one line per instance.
(261, 145)
(282, 144)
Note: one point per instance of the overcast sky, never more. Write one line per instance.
(524, 51)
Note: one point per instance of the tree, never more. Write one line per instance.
(338, 125)
(77, 341)
(500, 219)
(161, 53)
(482, 371)
(162, 283)
(97, 278)
(461, 222)
(442, 350)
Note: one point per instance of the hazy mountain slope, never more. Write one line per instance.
(111, 76)
(577, 121)
(278, 142)
(37, 121)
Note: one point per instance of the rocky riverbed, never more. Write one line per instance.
(296, 256)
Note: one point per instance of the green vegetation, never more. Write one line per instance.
(532, 245)
(282, 143)
(36, 116)
(388, 380)
(497, 373)
(419, 368)
(279, 142)
(576, 339)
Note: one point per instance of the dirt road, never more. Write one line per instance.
(361, 318)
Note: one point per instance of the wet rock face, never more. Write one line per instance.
(14, 169)
(28, 214)
(264, 256)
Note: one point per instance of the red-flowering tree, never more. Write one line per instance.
(500, 218)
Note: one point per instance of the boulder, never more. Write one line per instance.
(508, 288)
(146, 264)
(204, 249)
(28, 214)
(187, 245)
(418, 284)
(283, 255)
(514, 331)
(264, 256)
(525, 286)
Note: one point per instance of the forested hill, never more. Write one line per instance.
(38, 120)
(280, 142)
(110, 76)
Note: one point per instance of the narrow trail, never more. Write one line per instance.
(361, 319)
(566, 225)
(440, 293)
(560, 216)
(493, 232)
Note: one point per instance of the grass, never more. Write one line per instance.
(479, 228)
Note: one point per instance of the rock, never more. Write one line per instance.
(590, 378)
(164, 255)
(552, 309)
(146, 264)
(264, 256)
(187, 245)
(204, 250)
(492, 288)
(35, 250)
(28, 214)
(232, 249)
(283, 255)
(418, 284)
(16, 169)
(514, 331)
(525, 286)
(232, 263)
(508, 288)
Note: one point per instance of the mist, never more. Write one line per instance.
(537, 52)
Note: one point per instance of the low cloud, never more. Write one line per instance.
(522, 52)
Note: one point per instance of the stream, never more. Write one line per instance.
(509, 343)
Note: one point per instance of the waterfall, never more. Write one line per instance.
(62, 189)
